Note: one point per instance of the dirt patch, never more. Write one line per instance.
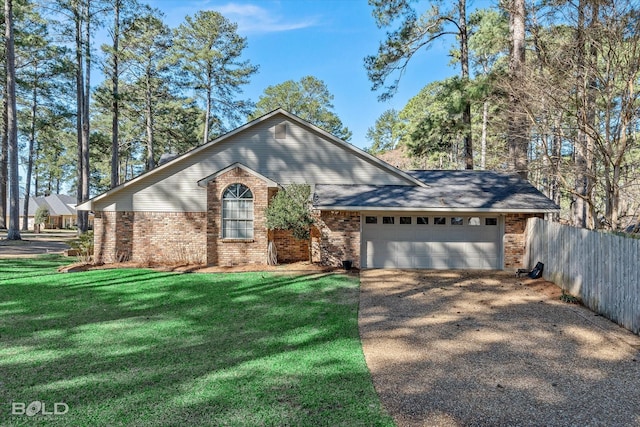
(549, 289)
(457, 348)
(289, 267)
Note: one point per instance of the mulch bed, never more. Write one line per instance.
(295, 267)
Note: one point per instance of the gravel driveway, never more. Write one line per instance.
(454, 348)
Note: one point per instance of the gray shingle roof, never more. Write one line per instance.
(34, 204)
(61, 204)
(446, 190)
(58, 204)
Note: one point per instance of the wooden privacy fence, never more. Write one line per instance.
(599, 268)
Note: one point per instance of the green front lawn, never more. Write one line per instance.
(141, 347)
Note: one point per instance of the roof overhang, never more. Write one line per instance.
(435, 209)
(86, 206)
(204, 181)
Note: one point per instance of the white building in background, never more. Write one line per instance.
(62, 211)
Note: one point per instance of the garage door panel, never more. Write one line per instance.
(380, 252)
(424, 261)
(437, 248)
(421, 249)
(404, 262)
(383, 247)
(431, 246)
(388, 263)
(403, 249)
(483, 263)
(485, 248)
(441, 263)
(404, 254)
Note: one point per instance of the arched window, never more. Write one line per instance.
(237, 212)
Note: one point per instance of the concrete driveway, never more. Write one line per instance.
(454, 348)
(50, 242)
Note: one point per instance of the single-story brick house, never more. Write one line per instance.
(61, 207)
(207, 206)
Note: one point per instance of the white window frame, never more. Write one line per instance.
(237, 212)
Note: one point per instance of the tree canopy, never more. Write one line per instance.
(386, 133)
(209, 50)
(417, 31)
(308, 99)
(552, 93)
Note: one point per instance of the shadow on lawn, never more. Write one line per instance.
(138, 347)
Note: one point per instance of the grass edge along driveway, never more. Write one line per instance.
(139, 347)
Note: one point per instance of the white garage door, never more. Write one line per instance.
(438, 242)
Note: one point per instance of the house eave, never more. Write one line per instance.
(86, 206)
(436, 209)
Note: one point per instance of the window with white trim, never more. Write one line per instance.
(237, 212)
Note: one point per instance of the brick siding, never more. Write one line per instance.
(514, 239)
(289, 248)
(150, 237)
(338, 238)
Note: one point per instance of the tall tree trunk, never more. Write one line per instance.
(615, 199)
(207, 113)
(149, 131)
(36, 180)
(126, 166)
(464, 62)
(12, 126)
(115, 79)
(591, 120)
(583, 208)
(85, 119)
(614, 209)
(205, 137)
(32, 140)
(556, 162)
(78, 16)
(579, 205)
(4, 160)
(518, 130)
(149, 123)
(483, 138)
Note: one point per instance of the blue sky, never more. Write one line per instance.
(327, 39)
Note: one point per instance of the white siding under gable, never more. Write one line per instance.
(302, 156)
